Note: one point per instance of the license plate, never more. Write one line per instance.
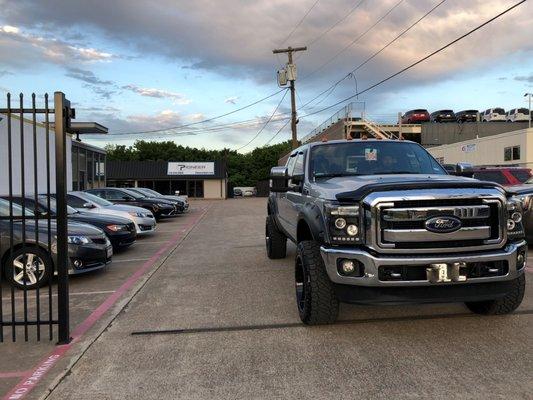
(443, 273)
(109, 252)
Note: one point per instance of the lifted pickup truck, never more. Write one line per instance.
(380, 221)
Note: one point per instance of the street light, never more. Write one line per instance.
(529, 95)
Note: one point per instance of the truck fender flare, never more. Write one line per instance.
(311, 215)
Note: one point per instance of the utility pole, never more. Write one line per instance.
(529, 95)
(290, 76)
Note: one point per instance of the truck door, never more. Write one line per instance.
(294, 197)
(283, 211)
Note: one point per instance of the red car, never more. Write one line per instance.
(506, 176)
(415, 116)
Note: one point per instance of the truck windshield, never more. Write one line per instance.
(371, 158)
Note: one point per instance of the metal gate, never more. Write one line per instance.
(34, 251)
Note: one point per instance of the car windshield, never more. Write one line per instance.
(372, 158)
(43, 201)
(133, 194)
(140, 192)
(150, 192)
(17, 210)
(95, 199)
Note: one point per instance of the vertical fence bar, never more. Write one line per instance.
(36, 210)
(11, 228)
(48, 216)
(61, 215)
(25, 257)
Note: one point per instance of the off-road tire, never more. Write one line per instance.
(504, 305)
(36, 251)
(316, 299)
(276, 241)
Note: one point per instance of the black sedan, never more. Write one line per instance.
(181, 206)
(120, 231)
(29, 255)
(467, 116)
(159, 207)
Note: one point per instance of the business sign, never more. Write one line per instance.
(191, 168)
(469, 148)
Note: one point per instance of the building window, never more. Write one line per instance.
(511, 153)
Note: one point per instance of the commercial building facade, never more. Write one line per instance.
(195, 179)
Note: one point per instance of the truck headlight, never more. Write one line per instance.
(515, 228)
(343, 223)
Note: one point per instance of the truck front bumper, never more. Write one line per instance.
(369, 289)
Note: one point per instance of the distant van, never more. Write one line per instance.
(494, 114)
(518, 115)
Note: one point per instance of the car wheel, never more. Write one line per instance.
(504, 305)
(316, 299)
(276, 241)
(28, 268)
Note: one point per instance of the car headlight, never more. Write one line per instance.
(117, 227)
(525, 201)
(343, 223)
(136, 214)
(75, 239)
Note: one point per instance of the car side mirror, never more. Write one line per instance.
(126, 198)
(279, 179)
(88, 205)
(464, 169)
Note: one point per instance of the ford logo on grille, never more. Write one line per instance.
(443, 224)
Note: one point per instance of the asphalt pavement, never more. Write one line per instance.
(231, 330)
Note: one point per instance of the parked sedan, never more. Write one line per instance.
(30, 263)
(143, 219)
(467, 116)
(416, 116)
(120, 231)
(159, 207)
(443, 116)
(181, 205)
(153, 193)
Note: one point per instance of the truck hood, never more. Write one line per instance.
(348, 188)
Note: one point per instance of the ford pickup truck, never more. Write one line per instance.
(382, 222)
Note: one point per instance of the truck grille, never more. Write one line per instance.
(403, 224)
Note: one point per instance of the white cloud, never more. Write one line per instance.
(231, 100)
(177, 98)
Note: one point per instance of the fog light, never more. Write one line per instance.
(520, 260)
(348, 267)
(340, 223)
(352, 230)
(510, 224)
(516, 217)
(78, 264)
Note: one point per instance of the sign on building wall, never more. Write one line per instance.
(191, 168)
(469, 148)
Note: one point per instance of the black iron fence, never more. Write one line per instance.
(33, 246)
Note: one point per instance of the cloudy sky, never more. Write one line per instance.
(154, 64)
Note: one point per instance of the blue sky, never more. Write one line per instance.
(157, 64)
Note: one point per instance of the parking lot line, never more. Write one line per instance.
(35, 375)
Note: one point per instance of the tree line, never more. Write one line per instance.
(243, 169)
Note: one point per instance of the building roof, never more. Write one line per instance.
(154, 170)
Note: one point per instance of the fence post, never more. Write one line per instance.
(60, 127)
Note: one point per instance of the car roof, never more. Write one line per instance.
(337, 141)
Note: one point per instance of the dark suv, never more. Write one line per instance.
(415, 116)
(159, 207)
(380, 221)
(467, 116)
(443, 116)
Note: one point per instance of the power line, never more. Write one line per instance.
(340, 21)
(354, 41)
(299, 23)
(205, 120)
(276, 134)
(266, 123)
(417, 62)
(398, 36)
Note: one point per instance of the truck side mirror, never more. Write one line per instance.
(279, 179)
(464, 169)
